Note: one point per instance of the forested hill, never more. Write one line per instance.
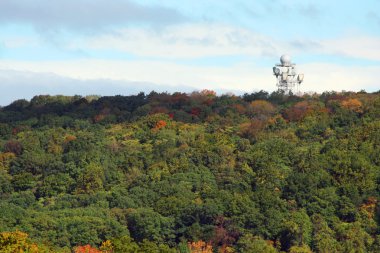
(179, 172)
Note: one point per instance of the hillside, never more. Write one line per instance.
(183, 172)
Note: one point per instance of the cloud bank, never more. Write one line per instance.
(26, 84)
(79, 15)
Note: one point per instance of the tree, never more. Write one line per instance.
(324, 237)
(144, 223)
(91, 179)
(200, 247)
(11, 242)
(249, 243)
(125, 244)
(297, 230)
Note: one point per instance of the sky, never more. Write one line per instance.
(122, 47)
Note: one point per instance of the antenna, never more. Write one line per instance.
(287, 77)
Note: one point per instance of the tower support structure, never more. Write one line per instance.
(288, 79)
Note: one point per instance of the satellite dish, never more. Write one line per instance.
(285, 60)
(276, 71)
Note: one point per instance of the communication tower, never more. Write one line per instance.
(288, 80)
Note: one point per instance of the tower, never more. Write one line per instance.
(287, 77)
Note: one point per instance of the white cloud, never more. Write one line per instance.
(190, 41)
(324, 77)
(360, 46)
(184, 41)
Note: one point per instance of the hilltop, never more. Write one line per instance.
(181, 172)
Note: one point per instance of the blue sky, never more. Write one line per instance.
(123, 46)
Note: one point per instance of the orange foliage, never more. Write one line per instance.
(200, 247)
(86, 249)
(160, 124)
(70, 138)
(240, 108)
(352, 104)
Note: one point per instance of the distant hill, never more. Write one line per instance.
(191, 172)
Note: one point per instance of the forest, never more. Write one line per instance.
(191, 173)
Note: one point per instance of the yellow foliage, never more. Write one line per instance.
(200, 247)
(300, 249)
(106, 247)
(5, 160)
(54, 148)
(15, 242)
(262, 107)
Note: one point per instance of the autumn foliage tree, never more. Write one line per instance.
(262, 108)
(14, 242)
(352, 104)
(14, 147)
(200, 247)
(258, 173)
(5, 160)
(86, 249)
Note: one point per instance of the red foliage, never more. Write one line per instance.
(179, 98)
(224, 234)
(209, 93)
(99, 118)
(195, 111)
(15, 130)
(86, 249)
(252, 129)
(171, 115)
(102, 115)
(298, 111)
(14, 147)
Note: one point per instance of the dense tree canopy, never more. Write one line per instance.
(191, 173)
